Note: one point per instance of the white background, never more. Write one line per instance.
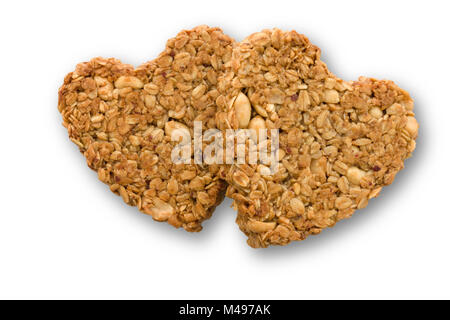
(63, 234)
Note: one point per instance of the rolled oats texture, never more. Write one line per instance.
(121, 118)
(340, 141)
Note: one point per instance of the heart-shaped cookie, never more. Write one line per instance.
(339, 142)
(122, 119)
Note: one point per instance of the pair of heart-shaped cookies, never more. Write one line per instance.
(339, 142)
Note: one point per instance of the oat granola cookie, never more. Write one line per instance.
(122, 118)
(340, 142)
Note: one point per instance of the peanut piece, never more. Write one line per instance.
(243, 110)
(297, 205)
(412, 127)
(128, 81)
(257, 123)
(161, 211)
(261, 111)
(259, 226)
(355, 175)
